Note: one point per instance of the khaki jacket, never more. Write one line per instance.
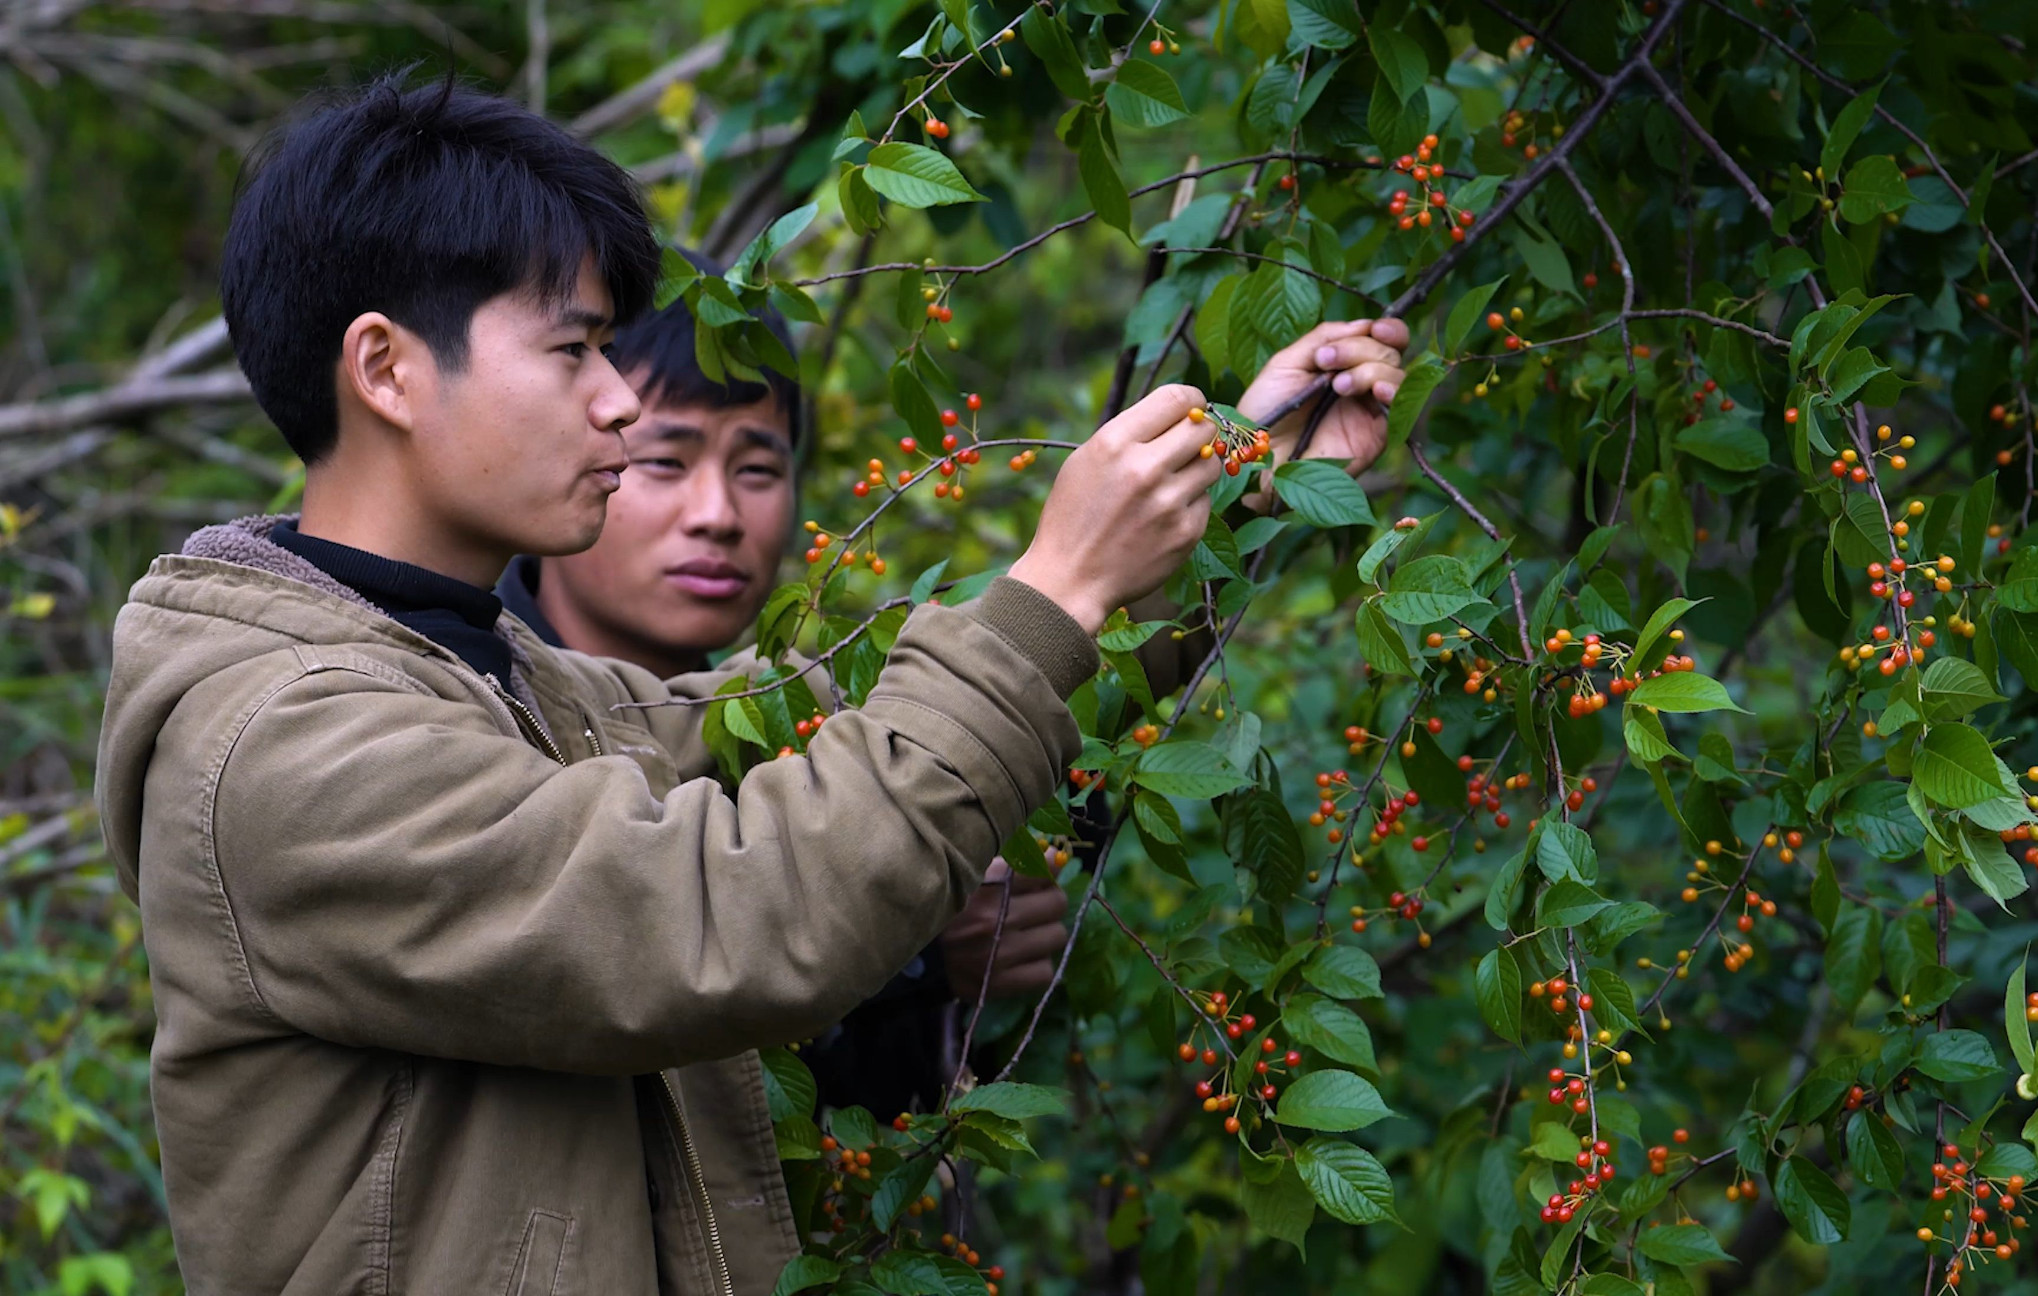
(458, 980)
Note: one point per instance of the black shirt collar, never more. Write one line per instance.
(451, 613)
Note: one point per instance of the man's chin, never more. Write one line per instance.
(569, 534)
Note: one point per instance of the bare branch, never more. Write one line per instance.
(627, 105)
(126, 401)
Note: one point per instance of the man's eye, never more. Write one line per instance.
(575, 349)
(671, 465)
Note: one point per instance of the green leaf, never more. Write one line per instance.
(1380, 643)
(913, 175)
(1853, 955)
(1423, 377)
(1568, 903)
(1048, 38)
(1213, 323)
(1956, 767)
(1281, 1205)
(901, 1186)
(1101, 181)
(1347, 1181)
(1726, 443)
(1497, 983)
(1873, 1153)
(767, 244)
(1874, 186)
(1184, 768)
(1145, 95)
(1322, 494)
(1331, 1029)
(1428, 589)
(1260, 834)
(789, 1088)
(1955, 688)
(1681, 1244)
(2015, 1024)
(1812, 1202)
(1344, 972)
(1610, 1285)
(1643, 731)
(1847, 124)
(1878, 815)
(1613, 999)
(908, 1273)
(806, 1271)
(1403, 65)
(1957, 1056)
(1659, 623)
(1331, 1100)
(1466, 314)
(1023, 852)
(1991, 867)
(1684, 691)
(1262, 25)
(1563, 850)
(1012, 1100)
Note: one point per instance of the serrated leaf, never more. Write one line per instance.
(1497, 984)
(1873, 1153)
(1956, 767)
(1333, 1101)
(1466, 314)
(913, 175)
(1846, 128)
(2015, 1024)
(1012, 1100)
(1331, 1029)
(1954, 688)
(803, 1272)
(1681, 1244)
(1347, 1181)
(1957, 1057)
(1853, 955)
(1184, 768)
(1280, 1206)
(1812, 1202)
(1101, 181)
(1427, 589)
(1344, 972)
(1684, 691)
(1143, 94)
(1048, 37)
(1568, 903)
(1403, 65)
(1423, 378)
(1727, 443)
(1322, 494)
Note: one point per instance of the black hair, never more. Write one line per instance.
(421, 203)
(657, 354)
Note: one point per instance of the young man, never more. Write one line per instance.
(445, 946)
(688, 553)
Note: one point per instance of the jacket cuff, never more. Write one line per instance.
(1040, 631)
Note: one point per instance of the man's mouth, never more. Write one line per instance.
(709, 578)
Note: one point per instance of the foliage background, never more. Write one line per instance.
(120, 129)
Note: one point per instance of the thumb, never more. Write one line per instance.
(998, 871)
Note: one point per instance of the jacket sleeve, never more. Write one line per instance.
(401, 874)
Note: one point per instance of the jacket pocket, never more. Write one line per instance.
(540, 1268)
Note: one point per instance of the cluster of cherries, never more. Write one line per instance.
(1238, 444)
(2008, 419)
(1515, 123)
(1980, 1240)
(1701, 395)
(1555, 990)
(1398, 902)
(968, 1254)
(1505, 323)
(1595, 1158)
(1434, 201)
(1659, 1155)
(1216, 1093)
(1849, 465)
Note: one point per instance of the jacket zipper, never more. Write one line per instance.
(688, 1153)
(700, 1185)
(526, 721)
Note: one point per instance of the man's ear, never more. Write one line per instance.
(380, 368)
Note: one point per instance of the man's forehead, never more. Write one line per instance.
(691, 420)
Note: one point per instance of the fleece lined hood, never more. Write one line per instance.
(231, 578)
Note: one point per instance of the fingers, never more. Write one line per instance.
(1032, 943)
(1181, 446)
(1008, 983)
(1156, 412)
(1350, 353)
(1370, 379)
(1325, 334)
(998, 871)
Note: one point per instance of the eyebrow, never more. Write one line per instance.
(581, 317)
(759, 437)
